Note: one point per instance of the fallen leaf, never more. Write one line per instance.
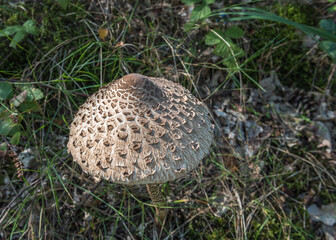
(17, 100)
(322, 132)
(329, 232)
(103, 33)
(325, 214)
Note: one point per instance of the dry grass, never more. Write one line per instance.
(229, 196)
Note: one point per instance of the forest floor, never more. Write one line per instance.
(271, 173)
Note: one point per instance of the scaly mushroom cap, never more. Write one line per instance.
(140, 130)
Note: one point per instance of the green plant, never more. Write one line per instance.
(63, 3)
(327, 33)
(223, 38)
(238, 13)
(327, 45)
(247, 13)
(333, 7)
(225, 47)
(14, 108)
(201, 10)
(288, 54)
(19, 32)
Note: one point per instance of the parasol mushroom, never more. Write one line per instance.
(141, 130)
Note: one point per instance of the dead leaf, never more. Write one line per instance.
(59, 121)
(256, 168)
(325, 214)
(230, 162)
(322, 133)
(16, 101)
(329, 232)
(308, 196)
(103, 33)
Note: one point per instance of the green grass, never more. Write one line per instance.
(222, 199)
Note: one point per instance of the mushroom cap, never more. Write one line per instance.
(140, 130)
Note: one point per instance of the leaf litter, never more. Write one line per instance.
(290, 115)
(293, 117)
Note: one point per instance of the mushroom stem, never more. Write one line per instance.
(154, 191)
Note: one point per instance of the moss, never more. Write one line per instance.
(328, 195)
(266, 224)
(267, 227)
(12, 20)
(199, 228)
(296, 12)
(288, 55)
(269, 224)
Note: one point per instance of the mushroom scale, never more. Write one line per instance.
(140, 130)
